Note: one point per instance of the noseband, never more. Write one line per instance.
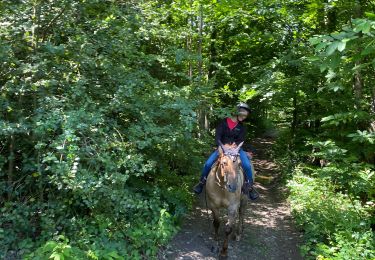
(233, 155)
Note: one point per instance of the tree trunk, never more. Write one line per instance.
(295, 113)
(213, 53)
(190, 42)
(203, 114)
(11, 160)
(200, 41)
(358, 87)
(358, 80)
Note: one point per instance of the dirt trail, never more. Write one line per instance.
(268, 233)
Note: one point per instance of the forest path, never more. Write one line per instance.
(269, 232)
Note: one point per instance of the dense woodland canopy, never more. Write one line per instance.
(108, 109)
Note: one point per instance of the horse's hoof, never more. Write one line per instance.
(223, 256)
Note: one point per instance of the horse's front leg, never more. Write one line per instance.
(232, 214)
(216, 223)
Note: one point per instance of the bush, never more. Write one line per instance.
(336, 226)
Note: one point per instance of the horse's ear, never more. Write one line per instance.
(220, 149)
(239, 147)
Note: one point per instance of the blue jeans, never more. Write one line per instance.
(245, 160)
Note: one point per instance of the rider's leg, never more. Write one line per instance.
(246, 165)
(206, 170)
(249, 176)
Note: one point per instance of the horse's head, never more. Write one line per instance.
(228, 164)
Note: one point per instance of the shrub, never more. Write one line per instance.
(336, 226)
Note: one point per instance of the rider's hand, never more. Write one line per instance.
(250, 154)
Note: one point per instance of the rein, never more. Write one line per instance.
(218, 180)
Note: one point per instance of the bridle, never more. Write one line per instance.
(221, 178)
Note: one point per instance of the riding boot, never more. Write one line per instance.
(199, 187)
(250, 191)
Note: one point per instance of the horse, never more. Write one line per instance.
(223, 189)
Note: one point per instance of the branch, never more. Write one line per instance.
(49, 25)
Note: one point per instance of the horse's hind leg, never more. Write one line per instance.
(241, 212)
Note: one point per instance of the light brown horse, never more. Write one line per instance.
(223, 189)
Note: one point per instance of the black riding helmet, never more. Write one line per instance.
(243, 105)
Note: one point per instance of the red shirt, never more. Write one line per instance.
(231, 123)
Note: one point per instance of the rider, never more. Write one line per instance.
(231, 130)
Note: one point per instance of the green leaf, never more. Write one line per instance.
(370, 15)
(362, 25)
(339, 36)
(334, 61)
(313, 58)
(368, 51)
(331, 48)
(56, 256)
(327, 118)
(321, 46)
(315, 40)
(366, 27)
(323, 67)
(330, 75)
(335, 86)
(341, 46)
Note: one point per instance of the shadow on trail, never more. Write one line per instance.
(269, 231)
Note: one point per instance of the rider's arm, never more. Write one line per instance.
(219, 132)
(241, 136)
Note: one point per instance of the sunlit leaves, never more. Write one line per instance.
(332, 47)
(341, 46)
(343, 118)
(363, 136)
(363, 25)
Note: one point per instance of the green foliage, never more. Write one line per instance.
(94, 139)
(57, 250)
(108, 108)
(333, 204)
(322, 88)
(336, 226)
